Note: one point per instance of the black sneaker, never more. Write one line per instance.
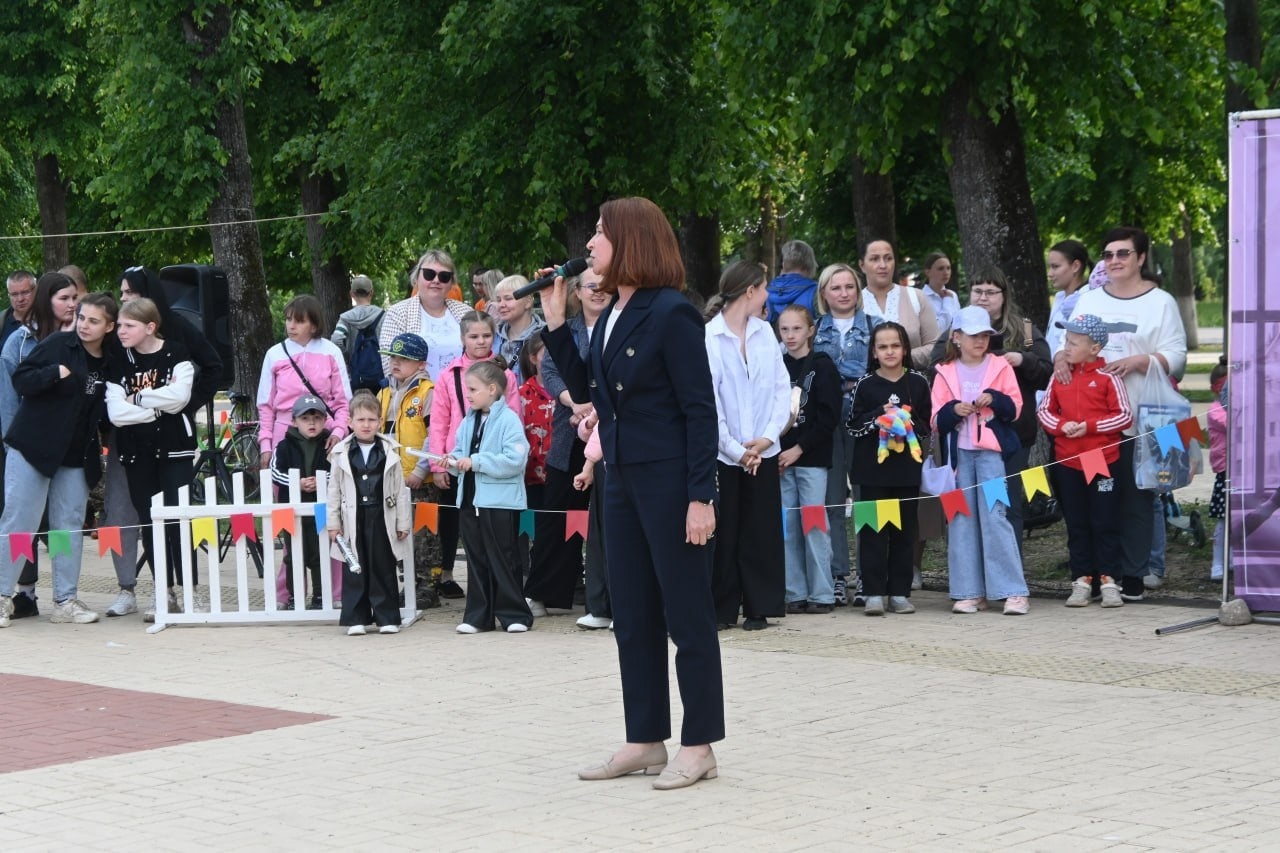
(842, 597)
(24, 605)
(450, 589)
(858, 599)
(315, 603)
(1132, 588)
(754, 624)
(428, 597)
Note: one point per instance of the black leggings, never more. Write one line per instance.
(160, 474)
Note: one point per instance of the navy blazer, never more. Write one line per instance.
(651, 385)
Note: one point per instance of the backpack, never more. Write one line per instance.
(364, 364)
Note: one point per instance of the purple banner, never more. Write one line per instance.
(1253, 388)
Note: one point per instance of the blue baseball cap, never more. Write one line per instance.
(407, 345)
(1089, 325)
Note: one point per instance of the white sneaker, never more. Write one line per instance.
(917, 580)
(1111, 592)
(6, 610)
(1153, 581)
(464, 628)
(72, 611)
(537, 608)
(126, 602)
(389, 629)
(517, 628)
(874, 605)
(592, 623)
(356, 631)
(901, 604)
(1081, 592)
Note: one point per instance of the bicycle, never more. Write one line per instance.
(236, 442)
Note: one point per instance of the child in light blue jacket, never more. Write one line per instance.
(491, 451)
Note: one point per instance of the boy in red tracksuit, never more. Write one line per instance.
(1087, 412)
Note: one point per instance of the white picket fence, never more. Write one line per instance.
(246, 580)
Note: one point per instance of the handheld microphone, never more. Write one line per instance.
(574, 267)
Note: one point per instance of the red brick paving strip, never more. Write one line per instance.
(66, 721)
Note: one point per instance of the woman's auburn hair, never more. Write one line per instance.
(646, 253)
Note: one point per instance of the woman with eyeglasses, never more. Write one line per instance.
(1142, 322)
(430, 313)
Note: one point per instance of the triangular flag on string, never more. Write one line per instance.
(109, 540)
(22, 545)
(526, 523)
(59, 542)
(1033, 481)
(811, 517)
(785, 512)
(995, 491)
(1094, 464)
(322, 517)
(1167, 438)
(1189, 428)
(205, 530)
(426, 514)
(888, 512)
(282, 520)
(575, 521)
(864, 513)
(954, 503)
(242, 526)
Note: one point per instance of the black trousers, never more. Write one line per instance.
(595, 568)
(447, 520)
(148, 475)
(1136, 516)
(373, 596)
(1092, 515)
(554, 564)
(885, 555)
(493, 568)
(534, 495)
(750, 570)
(661, 585)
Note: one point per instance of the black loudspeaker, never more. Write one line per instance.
(200, 294)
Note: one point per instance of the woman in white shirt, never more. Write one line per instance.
(753, 405)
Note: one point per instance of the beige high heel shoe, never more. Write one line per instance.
(682, 777)
(651, 761)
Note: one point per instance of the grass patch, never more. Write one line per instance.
(1197, 395)
(1209, 312)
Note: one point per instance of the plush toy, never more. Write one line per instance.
(896, 433)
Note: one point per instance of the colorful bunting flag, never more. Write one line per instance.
(1094, 464)
(888, 512)
(242, 526)
(22, 545)
(526, 523)
(109, 540)
(785, 513)
(575, 521)
(204, 530)
(995, 491)
(282, 520)
(322, 517)
(1189, 428)
(426, 514)
(59, 542)
(813, 517)
(1167, 439)
(864, 513)
(955, 503)
(1033, 481)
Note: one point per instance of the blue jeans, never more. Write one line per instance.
(981, 551)
(66, 493)
(1155, 564)
(807, 555)
(837, 491)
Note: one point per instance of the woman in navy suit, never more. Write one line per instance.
(647, 374)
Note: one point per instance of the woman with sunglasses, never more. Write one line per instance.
(430, 313)
(1142, 321)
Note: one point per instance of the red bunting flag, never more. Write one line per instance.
(1189, 428)
(954, 503)
(426, 514)
(1094, 464)
(242, 526)
(575, 521)
(22, 545)
(811, 517)
(282, 520)
(109, 540)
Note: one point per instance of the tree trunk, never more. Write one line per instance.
(576, 230)
(1183, 284)
(51, 197)
(875, 216)
(236, 248)
(329, 278)
(1244, 45)
(994, 212)
(700, 246)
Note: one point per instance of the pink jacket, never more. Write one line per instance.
(447, 411)
(999, 377)
(279, 387)
(1217, 436)
(591, 435)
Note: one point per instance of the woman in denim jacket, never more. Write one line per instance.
(844, 335)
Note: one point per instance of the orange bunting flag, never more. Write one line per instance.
(426, 514)
(1094, 464)
(888, 512)
(1033, 481)
(575, 521)
(22, 545)
(109, 540)
(954, 503)
(282, 520)
(242, 526)
(813, 517)
(204, 530)
(1189, 428)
